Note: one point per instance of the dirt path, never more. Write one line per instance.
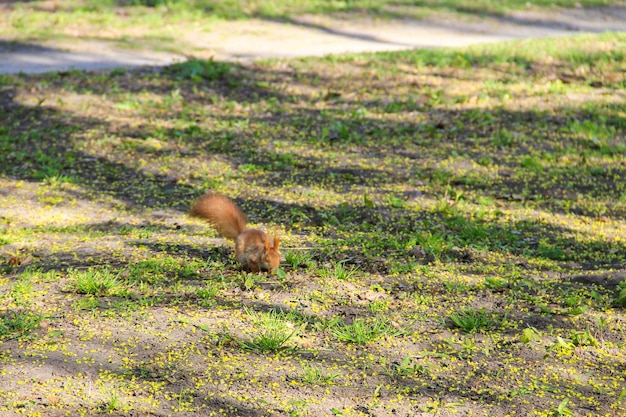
(313, 35)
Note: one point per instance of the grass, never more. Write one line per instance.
(470, 320)
(19, 323)
(273, 332)
(298, 259)
(315, 375)
(338, 270)
(453, 224)
(199, 70)
(100, 281)
(362, 331)
(408, 366)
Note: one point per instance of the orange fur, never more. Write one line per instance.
(253, 247)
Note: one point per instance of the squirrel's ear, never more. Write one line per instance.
(276, 242)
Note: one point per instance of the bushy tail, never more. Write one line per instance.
(222, 213)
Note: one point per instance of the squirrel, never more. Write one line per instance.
(254, 248)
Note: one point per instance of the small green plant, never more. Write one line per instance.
(378, 306)
(96, 281)
(274, 332)
(185, 400)
(209, 291)
(620, 299)
(395, 202)
(22, 292)
(57, 180)
(532, 164)
(249, 168)
(496, 283)
(18, 324)
(37, 275)
(362, 331)
(367, 202)
(561, 346)
(298, 258)
(114, 403)
(603, 324)
(561, 410)
(408, 366)
(468, 346)
(315, 375)
(502, 138)
(529, 334)
(89, 302)
(433, 244)
(455, 287)
(583, 338)
(197, 70)
(435, 97)
(339, 271)
(297, 408)
(470, 320)
(250, 280)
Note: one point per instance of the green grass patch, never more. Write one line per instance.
(272, 332)
(96, 281)
(362, 331)
(199, 70)
(315, 375)
(338, 270)
(471, 320)
(18, 323)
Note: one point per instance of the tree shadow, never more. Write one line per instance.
(337, 32)
(45, 143)
(19, 57)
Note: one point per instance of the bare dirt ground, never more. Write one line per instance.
(311, 35)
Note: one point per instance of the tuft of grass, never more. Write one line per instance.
(88, 303)
(529, 334)
(209, 291)
(316, 375)
(496, 283)
(620, 299)
(471, 320)
(562, 346)
(96, 281)
(198, 70)
(433, 244)
(273, 332)
(298, 258)
(339, 271)
(407, 366)
(583, 338)
(561, 410)
(113, 403)
(18, 324)
(158, 270)
(362, 331)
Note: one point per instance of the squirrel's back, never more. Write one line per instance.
(222, 213)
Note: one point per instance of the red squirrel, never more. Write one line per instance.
(254, 248)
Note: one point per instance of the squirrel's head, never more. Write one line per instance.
(271, 255)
